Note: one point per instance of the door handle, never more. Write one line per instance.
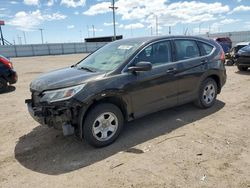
(203, 62)
(171, 70)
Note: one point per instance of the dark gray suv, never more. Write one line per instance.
(125, 80)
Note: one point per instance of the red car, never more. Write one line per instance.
(7, 73)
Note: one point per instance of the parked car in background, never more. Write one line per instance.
(230, 57)
(125, 80)
(225, 43)
(242, 58)
(7, 73)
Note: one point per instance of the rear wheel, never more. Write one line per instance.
(242, 68)
(3, 84)
(207, 93)
(103, 125)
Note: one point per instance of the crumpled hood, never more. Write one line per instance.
(61, 78)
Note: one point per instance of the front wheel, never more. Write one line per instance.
(103, 125)
(242, 68)
(207, 93)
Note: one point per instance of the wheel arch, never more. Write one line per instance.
(115, 100)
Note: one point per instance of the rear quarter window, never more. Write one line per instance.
(206, 49)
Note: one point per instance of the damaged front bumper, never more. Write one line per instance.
(54, 115)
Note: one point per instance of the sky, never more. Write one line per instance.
(74, 20)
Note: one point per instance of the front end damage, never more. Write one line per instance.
(60, 115)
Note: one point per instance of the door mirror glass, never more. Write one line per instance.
(140, 66)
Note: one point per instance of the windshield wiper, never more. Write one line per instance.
(87, 68)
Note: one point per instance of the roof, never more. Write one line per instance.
(243, 43)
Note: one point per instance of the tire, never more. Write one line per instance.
(98, 130)
(3, 85)
(242, 68)
(207, 94)
(229, 63)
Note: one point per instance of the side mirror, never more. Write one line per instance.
(140, 66)
(236, 55)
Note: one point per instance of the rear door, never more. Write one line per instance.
(156, 89)
(191, 64)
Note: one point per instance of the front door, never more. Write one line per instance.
(156, 89)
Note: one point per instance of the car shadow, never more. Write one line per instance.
(45, 150)
(243, 72)
(9, 89)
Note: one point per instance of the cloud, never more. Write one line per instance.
(31, 2)
(28, 21)
(168, 13)
(50, 3)
(73, 3)
(240, 8)
(70, 26)
(132, 26)
(215, 27)
(13, 2)
(110, 24)
(76, 13)
(99, 8)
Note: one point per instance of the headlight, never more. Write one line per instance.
(61, 94)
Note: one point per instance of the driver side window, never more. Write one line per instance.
(157, 54)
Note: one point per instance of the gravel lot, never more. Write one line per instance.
(179, 147)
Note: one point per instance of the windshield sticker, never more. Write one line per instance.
(125, 47)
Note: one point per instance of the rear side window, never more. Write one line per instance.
(205, 48)
(186, 49)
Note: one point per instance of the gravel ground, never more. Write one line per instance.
(179, 147)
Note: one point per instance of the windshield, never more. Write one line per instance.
(110, 56)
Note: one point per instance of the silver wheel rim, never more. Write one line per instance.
(209, 93)
(105, 126)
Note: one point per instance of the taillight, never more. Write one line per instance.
(6, 62)
(222, 57)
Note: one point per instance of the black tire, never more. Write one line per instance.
(3, 85)
(203, 101)
(229, 63)
(242, 68)
(92, 119)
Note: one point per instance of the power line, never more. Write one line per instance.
(113, 9)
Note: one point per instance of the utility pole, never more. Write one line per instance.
(156, 25)
(151, 30)
(1, 32)
(24, 36)
(93, 27)
(200, 27)
(41, 30)
(113, 9)
(169, 30)
(88, 30)
(19, 39)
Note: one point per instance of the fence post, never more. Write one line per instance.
(62, 49)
